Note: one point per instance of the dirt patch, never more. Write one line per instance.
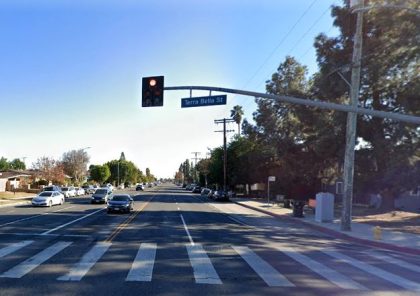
(388, 220)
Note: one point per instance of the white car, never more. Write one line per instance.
(109, 185)
(79, 191)
(48, 199)
(68, 191)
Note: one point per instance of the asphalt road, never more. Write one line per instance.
(178, 243)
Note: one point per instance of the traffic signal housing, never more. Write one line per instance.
(152, 91)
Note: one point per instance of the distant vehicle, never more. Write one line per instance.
(89, 189)
(48, 199)
(190, 186)
(205, 191)
(150, 185)
(120, 203)
(79, 191)
(101, 195)
(184, 185)
(196, 189)
(140, 187)
(68, 191)
(220, 195)
(52, 188)
(109, 185)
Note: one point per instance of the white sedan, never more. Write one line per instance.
(79, 191)
(48, 199)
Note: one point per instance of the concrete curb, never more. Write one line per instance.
(337, 234)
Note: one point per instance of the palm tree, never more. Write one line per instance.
(236, 113)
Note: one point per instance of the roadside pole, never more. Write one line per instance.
(351, 124)
(224, 121)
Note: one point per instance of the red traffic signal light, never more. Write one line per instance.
(152, 91)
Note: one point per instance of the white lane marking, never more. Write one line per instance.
(12, 211)
(85, 264)
(393, 278)
(64, 209)
(238, 221)
(204, 272)
(395, 261)
(178, 209)
(28, 265)
(333, 276)
(39, 234)
(71, 222)
(14, 247)
(186, 230)
(31, 217)
(142, 267)
(271, 276)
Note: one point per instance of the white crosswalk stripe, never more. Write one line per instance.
(204, 271)
(393, 278)
(14, 247)
(271, 276)
(142, 267)
(28, 265)
(394, 261)
(333, 276)
(86, 263)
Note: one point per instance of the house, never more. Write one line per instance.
(12, 179)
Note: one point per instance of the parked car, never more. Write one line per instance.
(220, 195)
(68, 191)
(79, 191)
(48, 199)
(89, 189)
(101, 195)
(205, 191)
(196, 189)
(109, 185)
(120, 203)
(52, 188)
(150, 185)
(140, 187)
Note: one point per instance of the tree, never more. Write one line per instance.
(122, 157)
(4, 164)
(236, 113)
(100, 173)
(75, 164)
(49, 169)
(17, 164)
(389, 82)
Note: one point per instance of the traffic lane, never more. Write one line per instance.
(39, 222)
(100, 224)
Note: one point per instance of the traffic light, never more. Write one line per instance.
(152, 91)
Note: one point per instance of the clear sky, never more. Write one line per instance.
(70, 71)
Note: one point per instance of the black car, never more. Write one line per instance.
(120, 203)
(220, 195)
(196, 189)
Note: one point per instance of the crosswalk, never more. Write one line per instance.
(322, 264)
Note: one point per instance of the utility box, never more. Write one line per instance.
(324, 207)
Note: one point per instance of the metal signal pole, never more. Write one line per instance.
(224, 121)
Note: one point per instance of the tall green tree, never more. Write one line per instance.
(390, 81)
(17, 164)
(100, 173)
(4, 164)
(236, 113)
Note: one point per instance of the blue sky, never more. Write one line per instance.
(70, 74)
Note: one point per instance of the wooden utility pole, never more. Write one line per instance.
(224, 121)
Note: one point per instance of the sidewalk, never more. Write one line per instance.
(15, 201)
(361, 233)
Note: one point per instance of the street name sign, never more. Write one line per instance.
(272, 179)
(203, 101)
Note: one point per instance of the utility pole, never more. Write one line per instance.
(195, 163)
(224, 121)
(352, 120)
